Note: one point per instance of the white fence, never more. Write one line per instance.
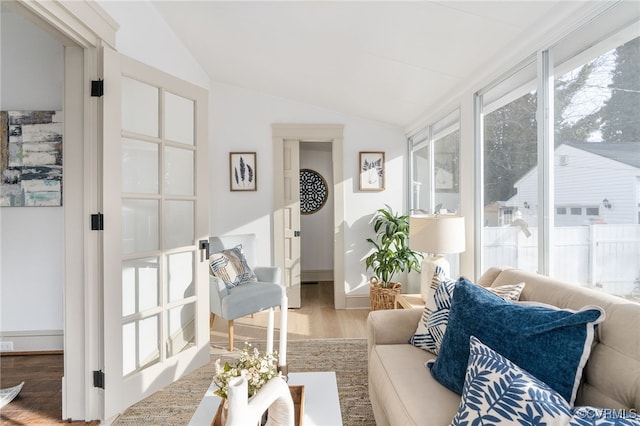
(601, 256)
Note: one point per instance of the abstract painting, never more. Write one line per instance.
(31, 158)
(242, 168)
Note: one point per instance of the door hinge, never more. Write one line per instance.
(97, 222)
(97, 88)
(296, 233)
(98, 379)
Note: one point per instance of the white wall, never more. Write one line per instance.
(316, 241)
(31, 243)
(143, 35)
(241, 121)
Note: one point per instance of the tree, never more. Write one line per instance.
(510, 146)
(571, 124)
(620, 122)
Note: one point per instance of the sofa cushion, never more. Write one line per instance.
(435, 317)
(231, 267)
(551, 344)
(497, 391)
(402, 387)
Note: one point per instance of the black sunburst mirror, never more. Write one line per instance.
(313, 191)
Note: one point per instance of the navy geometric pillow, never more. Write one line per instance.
(433, 323)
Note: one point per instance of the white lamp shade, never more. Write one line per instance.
(437, 234)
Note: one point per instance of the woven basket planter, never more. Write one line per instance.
(381, 297)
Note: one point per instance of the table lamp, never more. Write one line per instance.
(435, 234)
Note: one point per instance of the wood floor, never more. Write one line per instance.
(40, 401)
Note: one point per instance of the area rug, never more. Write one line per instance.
(175, 404)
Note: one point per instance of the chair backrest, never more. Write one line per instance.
(248, 242)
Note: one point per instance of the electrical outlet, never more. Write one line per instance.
(6, 346)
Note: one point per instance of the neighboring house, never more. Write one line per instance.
(593, 183)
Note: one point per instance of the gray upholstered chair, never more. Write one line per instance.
(247, 298)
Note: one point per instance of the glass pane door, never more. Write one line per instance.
(156, 210)
(158, 224)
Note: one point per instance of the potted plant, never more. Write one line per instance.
(391, 255)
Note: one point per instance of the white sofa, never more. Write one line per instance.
(403, 391)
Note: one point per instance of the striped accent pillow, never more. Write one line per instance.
(231, 267)
(435, 317)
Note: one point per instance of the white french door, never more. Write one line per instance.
(155, 199)
(291, 211)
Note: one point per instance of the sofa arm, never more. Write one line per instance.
(393, 326)
(268, 274)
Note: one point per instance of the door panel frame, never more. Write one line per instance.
(121, 392)
(332, 133)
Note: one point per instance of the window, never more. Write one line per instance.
(597, 105)
(510, 186)
(588, 149)
(438, 176)
(435, 171)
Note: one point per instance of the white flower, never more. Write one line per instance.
(256, 369)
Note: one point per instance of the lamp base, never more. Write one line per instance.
(428, 269)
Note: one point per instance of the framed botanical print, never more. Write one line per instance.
(372, 169)
(242, 171)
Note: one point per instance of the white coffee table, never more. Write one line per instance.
(321, 403)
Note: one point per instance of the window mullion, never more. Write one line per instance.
(545, 119)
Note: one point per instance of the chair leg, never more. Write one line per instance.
(230, 335)
(212, 317)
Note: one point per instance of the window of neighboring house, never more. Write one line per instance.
(561, 210)
(510, 155)
(435, 171)
(596, 107)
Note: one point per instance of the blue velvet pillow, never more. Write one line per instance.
(551, 344)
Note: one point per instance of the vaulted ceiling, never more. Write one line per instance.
(389, 61)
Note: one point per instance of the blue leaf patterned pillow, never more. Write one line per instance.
(497, 392)
(231, 267)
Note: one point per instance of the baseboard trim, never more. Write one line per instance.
(358, 302)
(33, 341)
(319, 275)
(31, 353)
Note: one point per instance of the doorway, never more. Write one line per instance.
(316, 220)
(286, 243)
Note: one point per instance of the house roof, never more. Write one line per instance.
(626, 153)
